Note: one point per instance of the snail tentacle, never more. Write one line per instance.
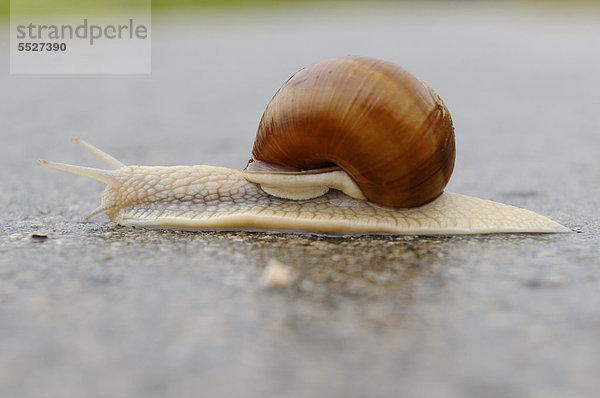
(109, 160)
(108, 177)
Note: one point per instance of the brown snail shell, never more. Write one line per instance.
(385, 128)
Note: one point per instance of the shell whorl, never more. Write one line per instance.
(388, 130)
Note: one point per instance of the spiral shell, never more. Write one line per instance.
(390, 132)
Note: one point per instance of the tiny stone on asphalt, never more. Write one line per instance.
(276, 274)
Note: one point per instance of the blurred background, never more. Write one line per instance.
(99, 310)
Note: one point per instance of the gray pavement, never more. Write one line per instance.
(97, 310)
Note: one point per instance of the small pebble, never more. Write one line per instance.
(276, 274)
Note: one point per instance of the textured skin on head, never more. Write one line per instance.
(206, 197)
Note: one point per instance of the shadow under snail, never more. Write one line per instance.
(346, 145)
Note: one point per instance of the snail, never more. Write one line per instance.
(346, 145)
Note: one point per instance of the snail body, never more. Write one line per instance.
(347, 145)
(208, 197)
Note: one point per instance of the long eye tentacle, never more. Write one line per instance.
(109, 177)
(110, 161)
